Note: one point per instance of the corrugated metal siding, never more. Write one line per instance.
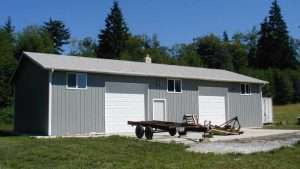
(31, 99)
(77, 111)
(248, 108)
(178, 104)
(82, 111)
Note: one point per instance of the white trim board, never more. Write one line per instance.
(50, 103)
(166, 113)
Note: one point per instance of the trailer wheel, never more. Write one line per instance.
(182, 133)
(172, 131)
(139, 131)
(149, 133)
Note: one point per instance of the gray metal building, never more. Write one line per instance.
(66, 95)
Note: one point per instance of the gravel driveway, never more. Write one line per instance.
(247, 145)
(253, 140)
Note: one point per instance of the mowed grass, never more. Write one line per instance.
(6, 127)
(286, 116)
(129, 153)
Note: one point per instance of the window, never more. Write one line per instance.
(245, 89)
(72, 80)
(174, 86)
(170, 85)
(177, 85)
(76, 80)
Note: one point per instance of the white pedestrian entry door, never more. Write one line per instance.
(267, 110)
(159, 110)
(212, 108)
(123, 107)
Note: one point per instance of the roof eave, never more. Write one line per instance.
(143, 75)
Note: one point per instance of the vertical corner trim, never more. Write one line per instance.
(262, 104)
(50, 103)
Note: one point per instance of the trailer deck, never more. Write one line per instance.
(189, 124)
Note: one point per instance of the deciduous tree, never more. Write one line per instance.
(85, 47)
(34, 39)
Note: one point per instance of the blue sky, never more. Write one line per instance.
(174, 21)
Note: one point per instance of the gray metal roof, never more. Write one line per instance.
(109, 66)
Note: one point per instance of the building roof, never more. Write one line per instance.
(109, 66)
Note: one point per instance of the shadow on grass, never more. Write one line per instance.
(6, 130)
(7, 133)
(291, 126)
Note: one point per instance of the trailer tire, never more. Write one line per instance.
(149, 133)
(139, 131)
(182, 133)
(172, 131)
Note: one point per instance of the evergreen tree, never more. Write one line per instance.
(112, 40)
(8, 27)
(225, 37)
(7, 67)
(274, 49)
(283, 88)
(58, 33)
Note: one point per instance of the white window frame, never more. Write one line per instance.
(174, 86)
(245, 94)
(76, 87)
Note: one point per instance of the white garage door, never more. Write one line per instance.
(123, 107)
(212, 108)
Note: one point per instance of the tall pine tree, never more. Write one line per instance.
(274, 49)
(112, 39)
(7, 62)
(225, 37)
(58, 33)
(8, 27)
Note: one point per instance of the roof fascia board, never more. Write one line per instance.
(143, 75)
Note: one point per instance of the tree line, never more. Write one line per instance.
(268, 52)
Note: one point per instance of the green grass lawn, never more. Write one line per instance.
(6, 127)
(120, 152)
(286, 116)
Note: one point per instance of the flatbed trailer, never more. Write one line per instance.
(189, 124)
(155, 126)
